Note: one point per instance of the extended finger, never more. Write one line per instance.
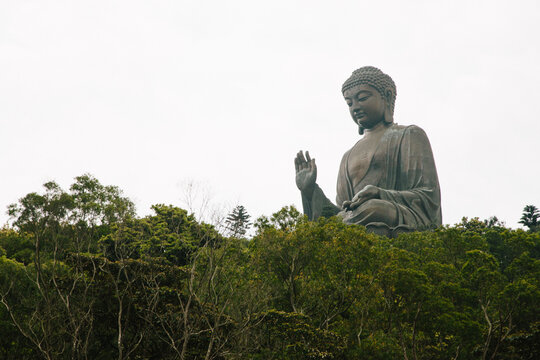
(358, 195)
(300, 160)
(296, 166)
(304, 164)
(302, 156)
(308, 158)
(357, 203)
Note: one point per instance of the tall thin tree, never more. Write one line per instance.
(237, 222)
(530, 218)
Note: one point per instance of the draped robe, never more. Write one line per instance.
(403, 167)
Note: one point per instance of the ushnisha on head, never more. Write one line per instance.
(385, 86)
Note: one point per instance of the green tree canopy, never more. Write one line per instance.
(530, 217)
(237, 222)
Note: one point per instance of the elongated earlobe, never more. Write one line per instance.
(360, 129)
(388, 113)
(388, 116)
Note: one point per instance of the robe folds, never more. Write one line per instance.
(403, 168)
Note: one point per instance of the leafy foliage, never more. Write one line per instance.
(530, 218)
(170, 235)
(237, 222)
(81, 277)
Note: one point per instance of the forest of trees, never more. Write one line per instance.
(82, 277)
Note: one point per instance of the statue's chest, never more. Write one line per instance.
(363, 157)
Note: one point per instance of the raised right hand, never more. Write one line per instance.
(306, 172)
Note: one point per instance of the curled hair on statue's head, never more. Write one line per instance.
(369, 75)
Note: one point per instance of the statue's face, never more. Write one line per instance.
(366, 105)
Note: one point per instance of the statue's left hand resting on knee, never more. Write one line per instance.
(367, 193)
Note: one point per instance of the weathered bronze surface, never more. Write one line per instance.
(387, 181)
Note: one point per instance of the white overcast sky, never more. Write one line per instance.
(148, 95)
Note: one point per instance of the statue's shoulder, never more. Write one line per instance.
(346, 155)
(403, 128)
(408, 130)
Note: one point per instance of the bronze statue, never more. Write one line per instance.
(387, 181)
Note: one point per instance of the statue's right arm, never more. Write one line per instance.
(314, 201)
(306, 173)
(318, 205)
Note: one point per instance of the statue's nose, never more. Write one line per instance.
(356, 106)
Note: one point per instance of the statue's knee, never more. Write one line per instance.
(380, 211)
(374, 210)
(376, 205)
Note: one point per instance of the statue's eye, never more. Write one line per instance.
(364, 98)
(349, 103)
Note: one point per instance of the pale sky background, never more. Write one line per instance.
(147, 95)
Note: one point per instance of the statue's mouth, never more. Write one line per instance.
(359, 116)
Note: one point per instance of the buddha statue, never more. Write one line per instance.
(387, 181)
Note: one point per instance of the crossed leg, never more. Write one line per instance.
(372, 211)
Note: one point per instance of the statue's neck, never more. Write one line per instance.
(376, 130)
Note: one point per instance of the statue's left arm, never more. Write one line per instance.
(417, 193)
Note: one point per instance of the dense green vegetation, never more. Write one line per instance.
(81, 277)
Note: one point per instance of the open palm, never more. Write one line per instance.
(306, 171)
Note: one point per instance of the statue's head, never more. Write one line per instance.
(371, 96)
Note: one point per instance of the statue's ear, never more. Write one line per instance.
(388, 96)
(388, 113)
